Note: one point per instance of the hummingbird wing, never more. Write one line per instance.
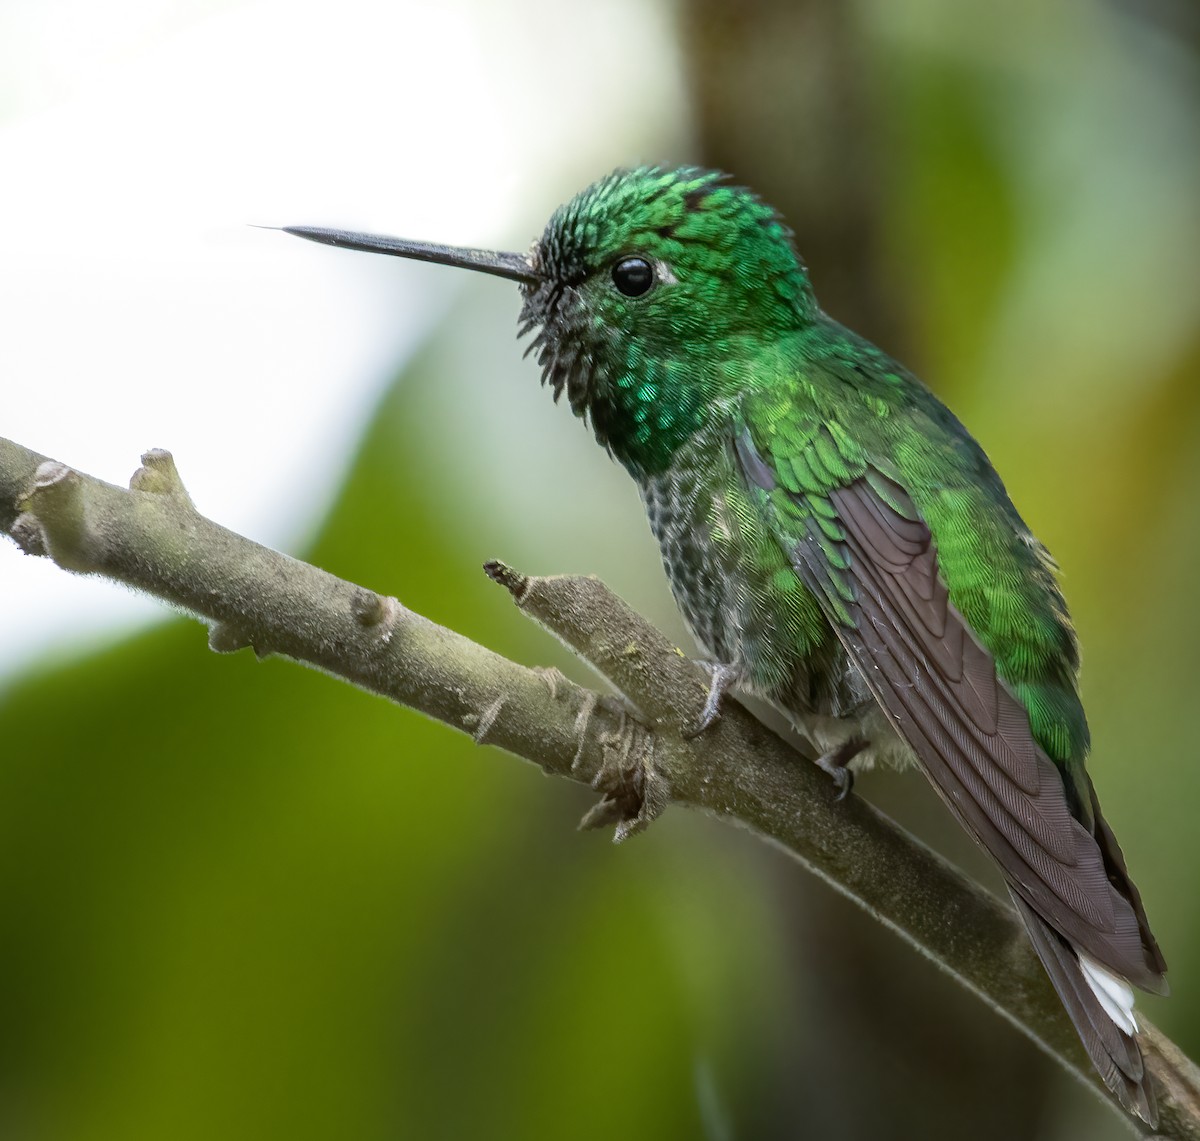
(859, 543)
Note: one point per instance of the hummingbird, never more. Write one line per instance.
(839, 545)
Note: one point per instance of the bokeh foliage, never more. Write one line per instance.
(242, 900)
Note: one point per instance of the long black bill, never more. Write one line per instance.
(516, 267)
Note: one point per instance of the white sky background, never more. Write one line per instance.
(138, 139)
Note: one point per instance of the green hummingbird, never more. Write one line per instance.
(839, 545)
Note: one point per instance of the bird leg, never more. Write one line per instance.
(836, 763)
(723, 678)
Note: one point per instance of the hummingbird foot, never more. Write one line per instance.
(836, 763)
(724, 676)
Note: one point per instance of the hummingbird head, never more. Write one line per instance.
(648, 294)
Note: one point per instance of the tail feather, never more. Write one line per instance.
(1114, 993)
(1089, 1001)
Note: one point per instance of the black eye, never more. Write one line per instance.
(633, 276)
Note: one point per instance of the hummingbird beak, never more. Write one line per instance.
(516, 267)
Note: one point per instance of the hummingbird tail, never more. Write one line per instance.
(1100, 1004)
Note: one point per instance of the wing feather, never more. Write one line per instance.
(939, 687)
(998, 781)
(859, 543)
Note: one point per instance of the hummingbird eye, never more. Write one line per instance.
(633, 276)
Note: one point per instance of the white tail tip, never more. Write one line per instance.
(1112, 992)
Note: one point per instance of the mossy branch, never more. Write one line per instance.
(151, 537)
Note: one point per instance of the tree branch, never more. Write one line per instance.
(152, 538)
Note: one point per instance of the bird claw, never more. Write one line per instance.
(836, 763)
(843, 778)
(723, 678)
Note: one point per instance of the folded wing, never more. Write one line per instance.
(870, 559)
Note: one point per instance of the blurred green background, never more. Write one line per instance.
(240, 900)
